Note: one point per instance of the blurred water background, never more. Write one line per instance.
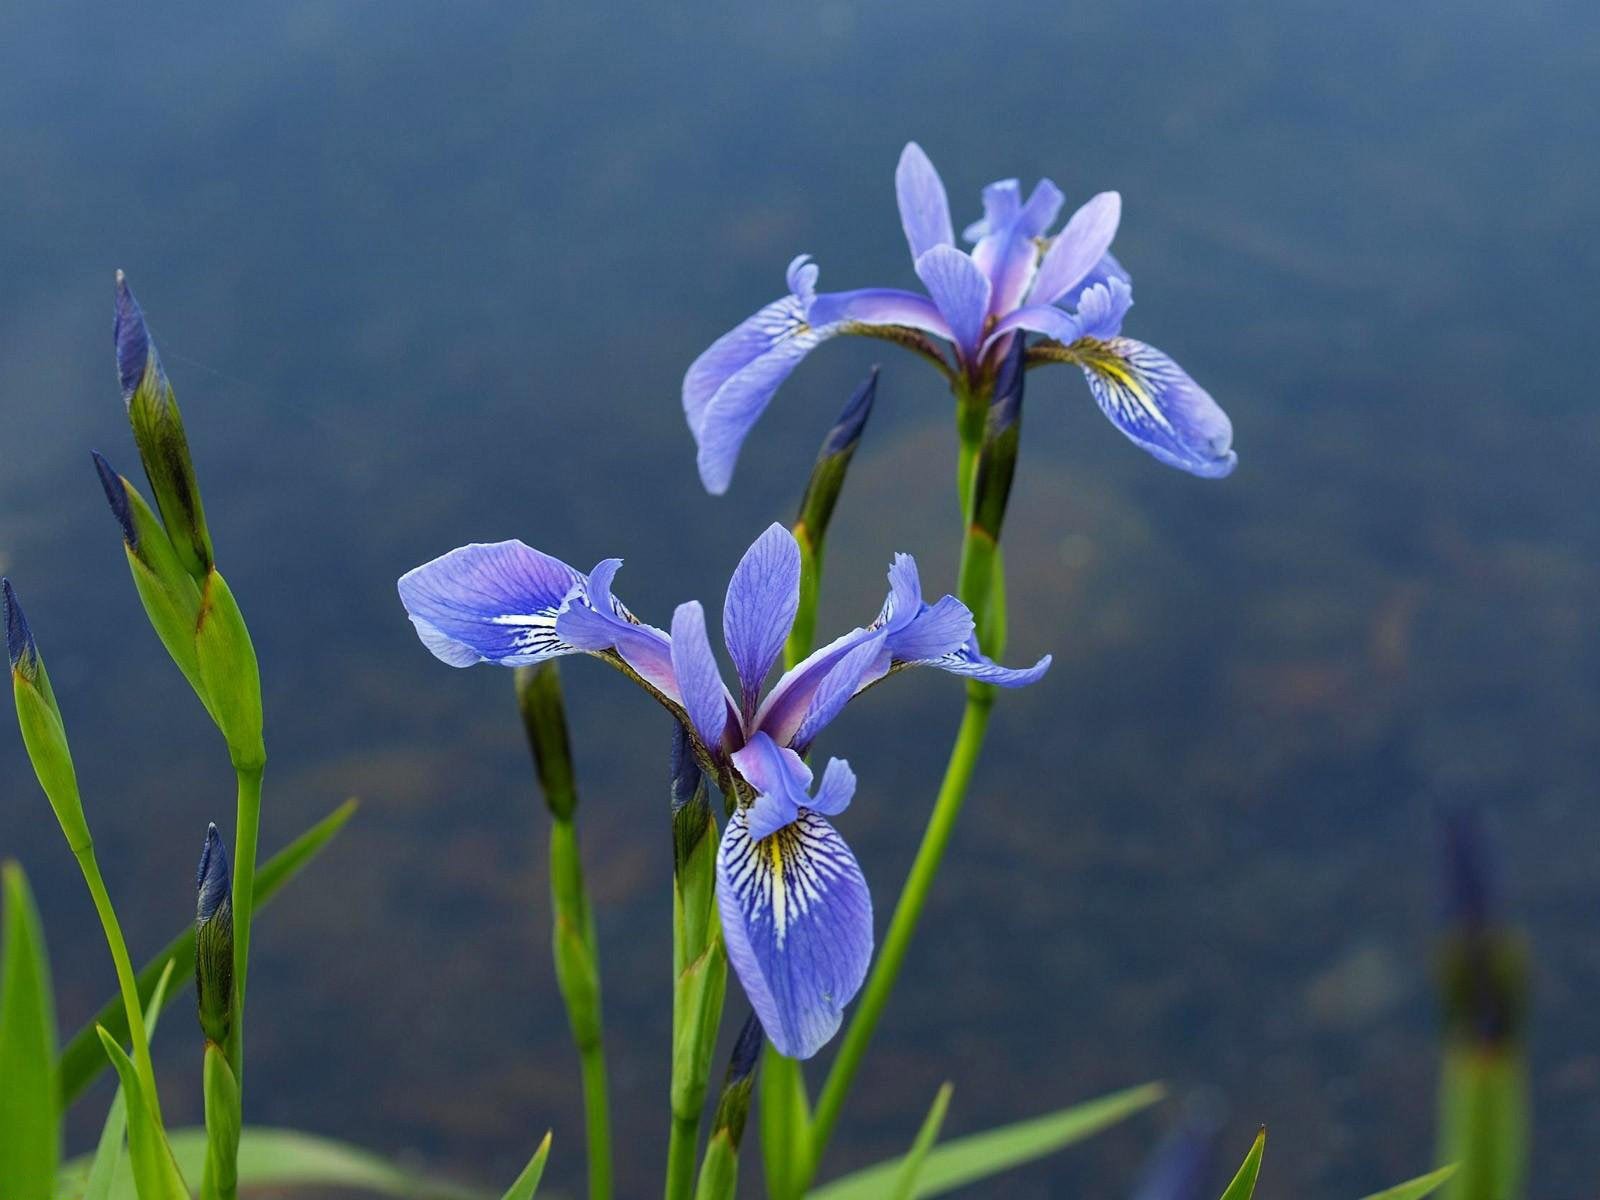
(426, 274)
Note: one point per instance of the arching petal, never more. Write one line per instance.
(837, 789)
(781, 780)
(863, 664)
(733, 352)
(602, 622)
(1102, 307)
(1037, 318)
(705, 698)
(797, 919)
(961, 290)
(1155, 403)
(1077, 249)
(1007, 250)
(967, 661)
(490, 602)
(924, 207)
(763, 597)
(787, 704)
(879, 306)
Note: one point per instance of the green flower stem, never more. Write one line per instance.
(247, 835)
(127, 983)
(982, 590)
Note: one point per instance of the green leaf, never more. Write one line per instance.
(83, 1060)
(108, 1153)
(1244, 1183)
(528, 1182)
(285, 1158)
(784, 1113)
(1417, 1188)
(155, 1174)
(30, 1117)
(981, 1155)
(906, 1186)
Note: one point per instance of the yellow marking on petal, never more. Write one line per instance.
(780, 896)
(1102, 358)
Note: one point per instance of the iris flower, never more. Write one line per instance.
(796, 913)
(1016, 280)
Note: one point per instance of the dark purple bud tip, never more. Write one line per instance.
(745, 1050)
(1006, 409)
(1468, 889)
(20, 647)
(212, 880)
(846, 431)
(117, 497)
(133, 339)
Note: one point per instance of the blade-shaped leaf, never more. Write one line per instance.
(82, 1060)
(905, 1187)
(155, 1174)
(1417, 1188)
(981, 1155)
(1244, 1183)
(30, 1117)
(108, 1152)
(528, 1182)
(285, 1158)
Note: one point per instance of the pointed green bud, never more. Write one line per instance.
(544, 719)
(43, 732)
(169, 595)
(158, 432)
(691, 809)
(817, 504)
(228, 672)
(734, 1106)
(213, 940)
(997, 459)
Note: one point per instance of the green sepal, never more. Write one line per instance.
(164, 450)
(1243, 1185)
(155, 1173)
(30, 1115)
(102, 1177)
(45, 737)
(527, 1183)
(220, 1179)
(229, 673)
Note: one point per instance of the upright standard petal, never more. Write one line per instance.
(1007, 250)
(1155, 403)
(1077, 249)
(763, 597)
(705, 698)
(797, 918)
(961, 290)
(490, 602)
(924, 207)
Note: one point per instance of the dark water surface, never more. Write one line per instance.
(430, 274)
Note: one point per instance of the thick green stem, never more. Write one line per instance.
(247, 835)
(127, 982)
(682, 1142)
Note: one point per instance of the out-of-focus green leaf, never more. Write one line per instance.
(108, 1153)
(1484, 1119)
(284, 1158)
(30, 1117)
(981, 1155)
(82, 1060)
(1244, 1183)
(528, 1182)
(905, 1187)
(155, 1174)
(1417, 1188)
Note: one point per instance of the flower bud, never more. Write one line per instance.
(213, 940)
(544, 719)
(39, 718)
(691, 811)
(1482, 962)
(158, 432)
(734, 1106)
(997, 459)
(231, 679)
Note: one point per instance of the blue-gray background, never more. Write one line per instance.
(426, 274)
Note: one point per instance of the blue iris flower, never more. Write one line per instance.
(796, 912)
(1017, 279)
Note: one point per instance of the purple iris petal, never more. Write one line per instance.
(599, 621)
(705, 698)
(935, 630)
(797, 918)
(1155, 403)
(787, 703)
(763, 597)
(782, 782)
(1107, 269)
(837, 789)
(1077, 249)
(1036, 318)
(961, 290)
(967, 661)
(879, 306)
(864, 663)
(1102, 307)
(732, 353)
(1006, 250)
(490, 602)
(924, 207)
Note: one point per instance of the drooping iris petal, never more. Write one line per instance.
(602, 622)
(960, 290)
(1155, 403)
(763, 597)
(924, 207)
(969, 662)
(781, 779)
(730, 354)
(490, 602)
(797, 918)
(1077, 249)
(936, 630)
(705, 698)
